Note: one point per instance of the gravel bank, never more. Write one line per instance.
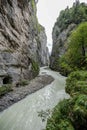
(21, 92)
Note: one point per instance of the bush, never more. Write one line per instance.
(77, 83)
(76, 14)
(69, 114)
(75, 58)
(60, 117)
(55, 64)
(5, 89)
(22, 83)
(35, 68)
(65, 125)
(80, 113)
(65, 68)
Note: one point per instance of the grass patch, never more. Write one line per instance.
(5, 89)
(22, 83)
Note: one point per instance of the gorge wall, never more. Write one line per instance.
(59, 45)
(22, 41)
(67, 21)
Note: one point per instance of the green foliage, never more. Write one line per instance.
(60, 117)
(80, 113)
(69, 114)
(22, 83)
(5, 89)
(55, 64)
(35, 68)
(65, 68)
(80, 107)
(76, 14)
(44, 114)
(77, 83)
(33, 4)
(40, 28)
(76, 56)
(35, 22)
(65, 125)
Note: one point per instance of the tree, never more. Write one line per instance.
(76, 54)
(75, 14)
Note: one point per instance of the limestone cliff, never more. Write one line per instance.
(21, 41)
(43, 49)
(59, 45)
(67, 21)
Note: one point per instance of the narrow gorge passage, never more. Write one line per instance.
(24, 114)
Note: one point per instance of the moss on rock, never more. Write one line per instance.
(35, 68)
(5, 89)
(33, 4)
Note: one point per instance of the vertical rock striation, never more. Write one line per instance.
(67, 21)
(21, 41)
(43, 49)
(59, 45)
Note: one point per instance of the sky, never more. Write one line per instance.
(47, 13)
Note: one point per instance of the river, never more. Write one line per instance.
(24, 114)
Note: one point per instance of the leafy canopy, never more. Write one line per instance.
(76, 54)
(76, 14)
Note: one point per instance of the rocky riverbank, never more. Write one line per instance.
(21, 92)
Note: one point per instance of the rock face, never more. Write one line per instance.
(67, 21)
(59, 44)
(43, 49)
(21, 41)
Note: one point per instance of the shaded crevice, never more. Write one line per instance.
(7, 80)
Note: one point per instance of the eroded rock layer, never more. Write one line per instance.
(20, 41)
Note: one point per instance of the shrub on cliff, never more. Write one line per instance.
(76, 55)
(59, 119)
(76, 14)
(69, 114)
(77, 83)
(35, 68)
(5, 89)
(65, 68)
